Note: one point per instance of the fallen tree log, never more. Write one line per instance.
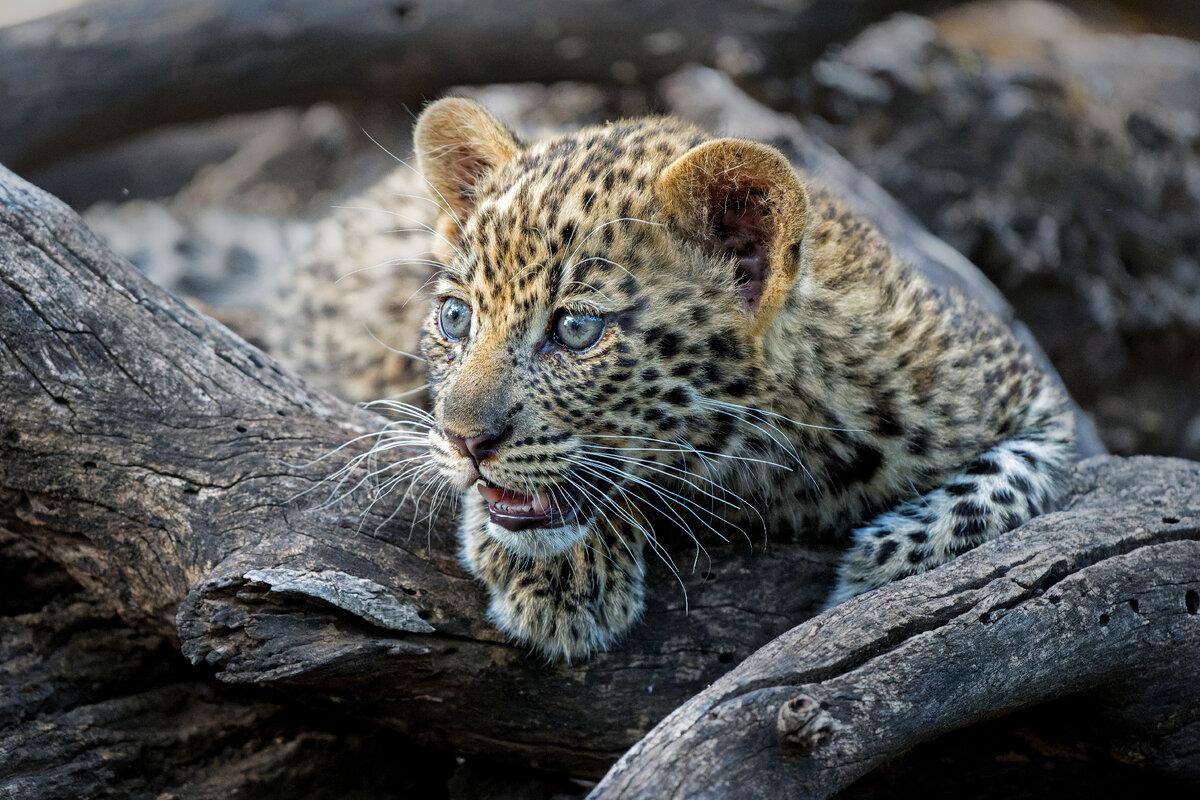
(153, 453)
(90, 707)
(113, 68)
(117, 67)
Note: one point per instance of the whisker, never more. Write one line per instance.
(420, 225)
(446, 207)
(392, 262)
(388, 347)
(667, 496)
(647, 535)
(765, 413)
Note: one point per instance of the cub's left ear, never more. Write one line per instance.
(741, 200)
(457, 143)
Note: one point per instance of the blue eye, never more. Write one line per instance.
(454, 318)
(577, 331)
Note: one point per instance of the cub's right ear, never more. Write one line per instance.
(457, 142)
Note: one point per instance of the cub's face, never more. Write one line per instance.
(596, 333)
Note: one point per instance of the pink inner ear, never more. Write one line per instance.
(744, 230)
(468, 168)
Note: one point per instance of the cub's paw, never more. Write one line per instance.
(569, 607)
(994, 493)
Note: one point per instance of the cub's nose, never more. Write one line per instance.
(478, 447)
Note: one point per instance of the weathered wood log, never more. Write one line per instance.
(1101, 598)
(117, 67)
(90, 707)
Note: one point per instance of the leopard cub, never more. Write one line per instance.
(640, 322)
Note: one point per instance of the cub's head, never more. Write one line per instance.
(598, 330)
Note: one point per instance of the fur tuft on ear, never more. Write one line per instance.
(741, 200)
(457, 142)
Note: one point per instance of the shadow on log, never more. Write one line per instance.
(155, 455)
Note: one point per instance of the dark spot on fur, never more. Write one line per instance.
(970, 529)
(862, 467)
(1029, 457)
(968, 509)
(885, 552)
(669, 344)
(682, 370)
(654, 334)
(738, 388)
(887, 426)
(677, 396)
(719, 345)
(982, 465)
(1004, 497)
(918, 442)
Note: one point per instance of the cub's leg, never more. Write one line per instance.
(565, 606)
(995, 492)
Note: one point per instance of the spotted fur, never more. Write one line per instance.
(766, 360)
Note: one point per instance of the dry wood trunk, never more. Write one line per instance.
(1102, 598)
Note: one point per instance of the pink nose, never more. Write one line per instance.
(478, 447)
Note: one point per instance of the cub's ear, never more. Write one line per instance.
(457, 142)
(741, 200)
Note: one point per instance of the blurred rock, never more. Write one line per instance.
(1063, 158)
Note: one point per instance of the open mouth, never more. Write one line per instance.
(519, 512)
